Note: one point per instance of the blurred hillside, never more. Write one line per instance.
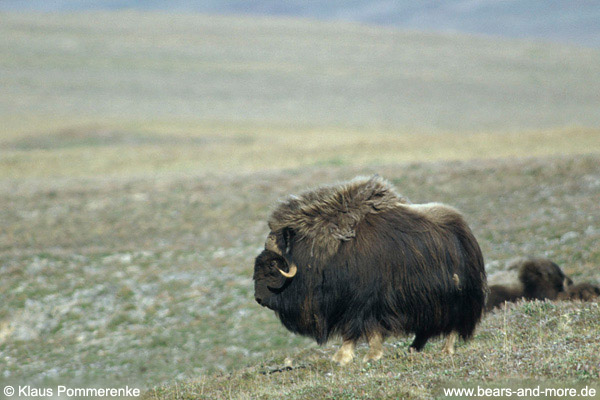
(131, 66)
(575, 22)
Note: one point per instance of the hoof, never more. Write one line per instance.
(345, 354)
(449, 343)
(342, 358)
(373, 356)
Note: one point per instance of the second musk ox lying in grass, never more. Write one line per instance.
(359, 261)
(581, 292)
(537, 279)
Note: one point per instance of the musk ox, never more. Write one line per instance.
(581, 292)
(537, 279)
(357, 260)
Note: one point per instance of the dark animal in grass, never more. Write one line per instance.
(581, 292)
(356, 260)
(500, 294)
(537, 279)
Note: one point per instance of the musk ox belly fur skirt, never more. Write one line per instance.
(368, 263)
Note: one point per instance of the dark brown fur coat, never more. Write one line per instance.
(370, 262)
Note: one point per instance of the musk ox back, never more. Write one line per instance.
(358, 261)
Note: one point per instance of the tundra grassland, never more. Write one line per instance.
(140, 156)
(148, 280)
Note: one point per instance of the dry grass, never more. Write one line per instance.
(151, 150)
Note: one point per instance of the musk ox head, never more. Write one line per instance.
(271, 274)
(542, 279)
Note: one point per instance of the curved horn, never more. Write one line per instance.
(291, 274)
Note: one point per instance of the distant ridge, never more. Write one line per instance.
(576, 22)
(132, 65)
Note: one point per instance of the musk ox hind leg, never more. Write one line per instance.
(449, 343)
(345, 354)
(375, 347)
(418, 343)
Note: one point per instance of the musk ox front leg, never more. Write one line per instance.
(375, 347)
(449, 343)
(345, 354)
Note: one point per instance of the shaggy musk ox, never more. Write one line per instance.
(359, 261)
(537, 279)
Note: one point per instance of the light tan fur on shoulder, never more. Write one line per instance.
(436, 212)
